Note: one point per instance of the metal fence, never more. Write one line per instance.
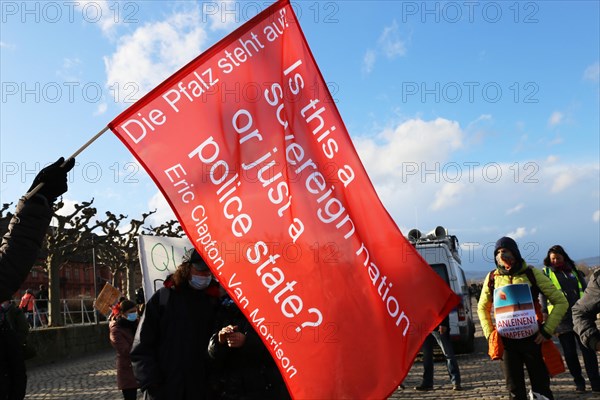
(74, 312)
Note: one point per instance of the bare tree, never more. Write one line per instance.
(66, 237)
(170, 228)
(120, 250)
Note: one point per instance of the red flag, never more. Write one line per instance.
(249, 149)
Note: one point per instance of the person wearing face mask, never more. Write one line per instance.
(122, 330)
(521, 339)
(169, 353)
(242, 366)
(563, 273)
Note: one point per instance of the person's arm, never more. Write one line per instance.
(484, 308)
(21, 244)
(585, 312)
(556, 298)
(146, 345)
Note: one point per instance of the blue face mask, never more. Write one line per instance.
(132, 316)
(200, 282)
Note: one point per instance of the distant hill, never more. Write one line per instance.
(590, 261)
(478, 276)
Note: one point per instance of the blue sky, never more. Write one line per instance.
(482, 117)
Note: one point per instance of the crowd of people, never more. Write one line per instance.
(190, 341)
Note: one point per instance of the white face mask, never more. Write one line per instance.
(200, 282)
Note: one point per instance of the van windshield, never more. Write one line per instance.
(441, 271)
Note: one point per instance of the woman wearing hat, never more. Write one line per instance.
(122, 330)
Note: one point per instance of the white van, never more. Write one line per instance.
(440, 251)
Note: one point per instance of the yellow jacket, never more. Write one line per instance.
(554, 296)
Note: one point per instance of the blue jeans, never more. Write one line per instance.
(444, 343)
(569, 342)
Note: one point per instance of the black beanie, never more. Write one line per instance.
(509, 244)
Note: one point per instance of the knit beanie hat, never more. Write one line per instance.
(509, 244)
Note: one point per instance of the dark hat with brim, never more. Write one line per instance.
(192, 256)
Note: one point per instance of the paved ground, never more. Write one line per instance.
(94, 377)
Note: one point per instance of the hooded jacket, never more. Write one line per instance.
(517, 274)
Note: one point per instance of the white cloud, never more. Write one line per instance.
(592, 73)
(409, 145)
(390, 43)
(71, 70)
(596, 216)
(101, 109)
(163, 210)
(369, 61)
(8, 46)
(521, 232)
(562, 181)
(225, 14)
(155, 51)
(551, 159)
(556, 118)
(107, 15)
(448, 196)
(515, 209)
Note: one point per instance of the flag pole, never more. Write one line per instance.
(77, 152)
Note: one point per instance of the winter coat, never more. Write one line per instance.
(27, 302)
(122, 333)
(555, 296)
(21, 244)
(169, 353)
(572, 285)
(13, 319)
(13, 335)
(247, 372)
(585, 312)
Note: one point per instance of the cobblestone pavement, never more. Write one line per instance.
(94, 377)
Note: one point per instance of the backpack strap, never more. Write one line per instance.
(535, 290)
(491, 281)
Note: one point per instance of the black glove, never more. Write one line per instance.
(54, 178)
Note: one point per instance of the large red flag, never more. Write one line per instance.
(252, 155)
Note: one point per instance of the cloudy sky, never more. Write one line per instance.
(481, 117)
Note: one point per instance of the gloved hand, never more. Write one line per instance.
(54, 178)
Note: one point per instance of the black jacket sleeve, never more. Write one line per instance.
(21, 244)
(146, 345)
(585, 311)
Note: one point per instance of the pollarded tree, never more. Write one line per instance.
(120, 247)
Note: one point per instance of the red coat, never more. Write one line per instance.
(27, 302)
(121, 338)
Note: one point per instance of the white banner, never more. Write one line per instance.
(159, 257)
